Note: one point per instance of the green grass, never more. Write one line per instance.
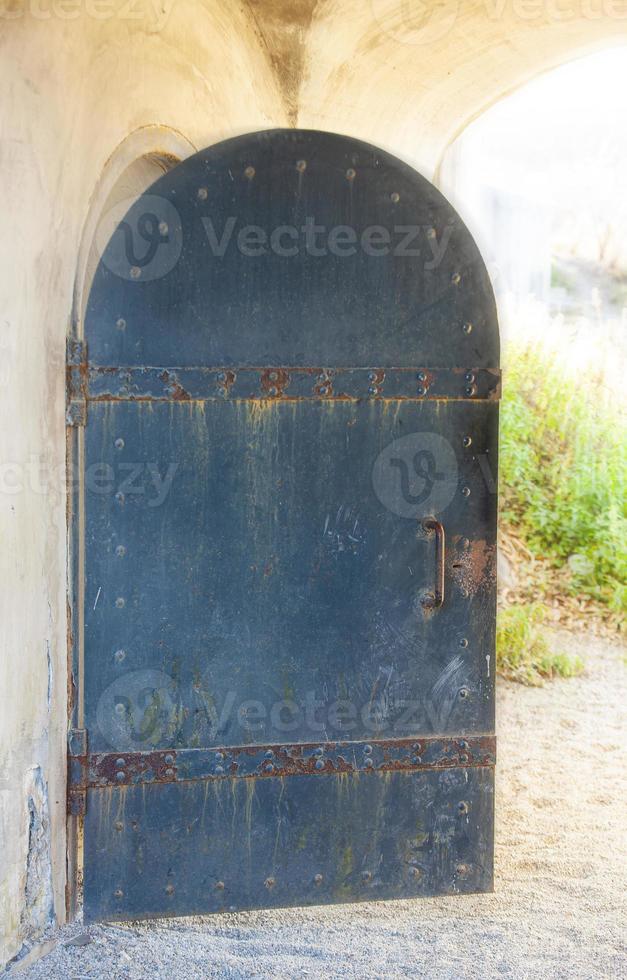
(523, 652)
(563, 473)
(561, 280)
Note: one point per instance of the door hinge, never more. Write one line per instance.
(75, 382)
(77, 772)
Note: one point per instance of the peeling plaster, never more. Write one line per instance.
(37, 910)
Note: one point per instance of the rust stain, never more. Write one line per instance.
(278, 761)
(226, 381)
(324, 384)
(376, 377)
(107, 769)
(274, 381)
(473, 566)
(174, 388)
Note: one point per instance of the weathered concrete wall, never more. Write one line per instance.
(87, 86)
(71, 92)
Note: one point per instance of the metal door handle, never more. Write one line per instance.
(437, 598)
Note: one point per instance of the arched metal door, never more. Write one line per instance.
(288, 385)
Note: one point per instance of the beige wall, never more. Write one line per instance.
(86, 87)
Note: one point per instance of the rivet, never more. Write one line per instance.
(463, 693)
(372, 390)
(219, 756)
(461, 869)
(221, 376)
(395, 197)
(269, 766)
(270, 882)
(431, 233)
(463, 642)
(466, 491)
(273, 392)
(301, 165)
(120, 602)
(421, 376)
(317, 879)
(318, 752)
(249, 172)
(319, 764)
(463, 758)
(120, 777)
(220, 886)
(219, 770)
(372, 376)
(135, 272)
(420, 391)
(201, 194)
(368, 749)
(368, 763)
(415, 872)
(269, 754)
(351, 174)
(417, 760)
(464, 593)
(469, 378)
(163, 227)
(120, 323)
(467, 328)
(456, 278)
(119, 443)
(119, 656)
(120, 551)
(463, 807)
(119, 893)
(169, 772)
(366, 876)
(465, 542)
(470, 390)
(467, 442)
(169, 889)
(416, 746)
(118, 825)
(120, 709)
(464, 745)
(169, 759)
(120, 763)
(272, 375)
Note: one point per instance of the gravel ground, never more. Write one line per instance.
(559, 905)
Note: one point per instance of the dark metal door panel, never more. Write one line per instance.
(256, 843)
(308, 297)
(287, 524)
(273, 574)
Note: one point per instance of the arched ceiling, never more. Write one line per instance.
(409, 75)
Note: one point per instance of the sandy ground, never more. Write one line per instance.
(559, 905)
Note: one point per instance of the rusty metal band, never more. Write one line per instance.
(98, 383)
(100, 770)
